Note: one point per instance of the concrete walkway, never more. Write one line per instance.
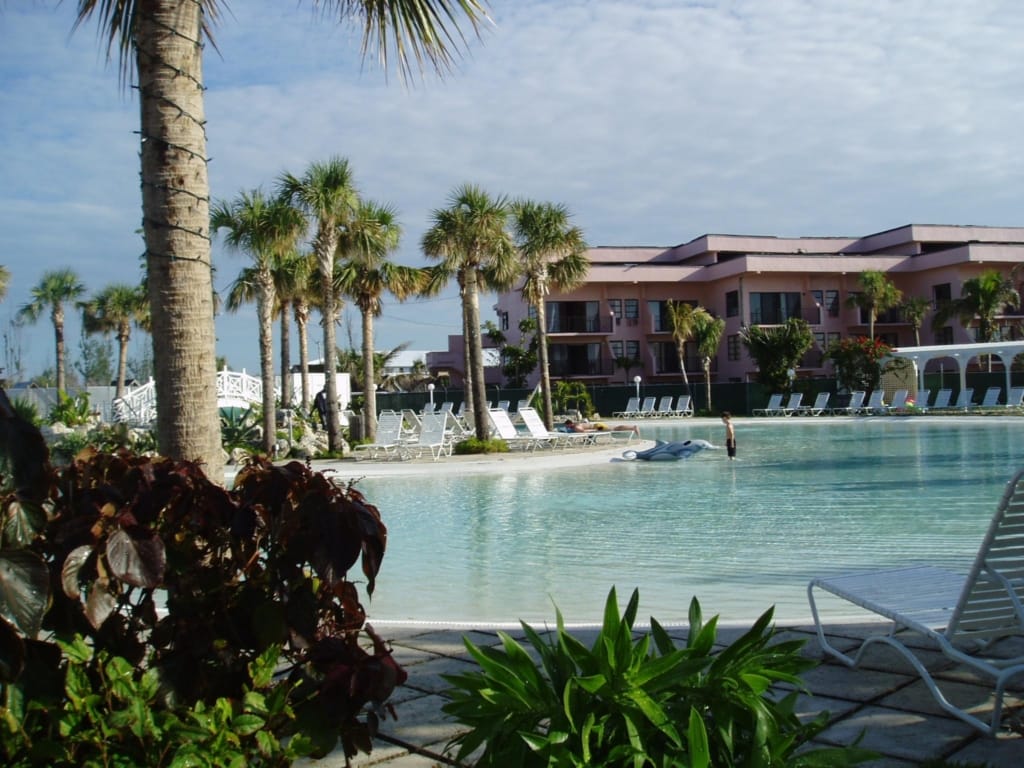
(883, 699)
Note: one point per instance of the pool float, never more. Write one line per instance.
(663, 451)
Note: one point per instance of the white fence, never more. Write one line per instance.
(234, 390)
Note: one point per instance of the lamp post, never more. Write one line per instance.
(430, 389)
(636, 380)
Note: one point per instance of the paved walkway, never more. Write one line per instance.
(883, 699)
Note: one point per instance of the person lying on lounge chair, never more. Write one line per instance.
(597, 426)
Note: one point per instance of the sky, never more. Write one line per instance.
(653, 121)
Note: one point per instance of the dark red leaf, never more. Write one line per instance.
(137, 556)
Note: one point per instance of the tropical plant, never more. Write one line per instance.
(627, 363)
(681, 317)
(470, 241)
(161, 42)
(518, 361)
(877, 294)
(71, 411)
(914, 308)
(55, 289)
(982, 299)
(471, 446)
(777, 350)
(858, 362)
(552, 257)
(113, 310)
(571, 396)
(267, 230)
(241, 428)
(365, 274)
(289, 273)
(216, 594)
(640, 702)
(303, 294)
(5, 280)
(707, 332)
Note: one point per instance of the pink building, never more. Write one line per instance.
(620, 313)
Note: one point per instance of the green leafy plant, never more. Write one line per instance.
(27, 410)
(643, 702)
(777, 350)
(571, 396)
(858, 362)
(471, 446)
(71, 411)
(241, 428)
(151, 562)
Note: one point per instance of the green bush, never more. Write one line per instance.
(637, 703)
(71, 411)
(472, 445)
(241, 428)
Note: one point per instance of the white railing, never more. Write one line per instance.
(234, 389)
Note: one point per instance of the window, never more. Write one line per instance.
(818, 297)
(615, 347)
(574, 316)
(576, 360)
(819, 341)
(944, 335)
(531, 312)
(732, 346)
(661, 317)
(832, 303)
(615, 307)
(892, 339)
(633, 350)
(633, 309)
(942, 294)
(504, 320)
(773, 308)
(666, 360)
(732, 303)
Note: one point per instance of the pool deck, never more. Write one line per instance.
(883, 698)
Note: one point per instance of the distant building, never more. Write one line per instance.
(621, 311)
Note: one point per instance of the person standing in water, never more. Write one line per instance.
(730, 434)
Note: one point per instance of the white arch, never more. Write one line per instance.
(962, 354)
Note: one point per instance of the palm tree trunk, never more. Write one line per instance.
(369, 380)
(467, 364)
(264, 311)
(542, 358)
(286, 356)
(58, 337)
(302, 323)
(476, 356)
(707, 382)
(123, 337)
(176, 225)
(681, 352)
(329, 304)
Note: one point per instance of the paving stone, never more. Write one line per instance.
(427, 676)
(972, 697)
(1003, 751)
(853, 684)
(899, 734)
(421, 723)
(449, 642)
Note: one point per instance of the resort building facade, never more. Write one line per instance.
(621, 313)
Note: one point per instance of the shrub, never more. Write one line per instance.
(641, 703)
(472, 445)
(241, 428)
(71, 411)
(193, 587)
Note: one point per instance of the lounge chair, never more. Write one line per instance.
(774, 407)
(506, 430)
(647, 409)
(964, 400)
(991, 399)
(542, 437)
(875, 404)
(665, 407)
(942, 398)
(793, 405)
(505, 405)
(952, 611)
(684, 406)
(434, 436)
(1015, 397)
(853, 407)
(899, 401)
(522, 404)
(819, 407)
(390, 441)
(632, 408)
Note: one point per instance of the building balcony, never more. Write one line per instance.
(563, 325)
(575, 369)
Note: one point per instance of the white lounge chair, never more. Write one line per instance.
(853, 407)
(506, 430)
(942, 398)
(793, 404)
(647, 408)
(899, 401)
(1015, 397)
(964, 400)
(991, 399)
(542, 437)
(390, 441)
(819, 407)
(774, 407)
(665, 407)
(434, 436)
(875, 404)
(684, 406)
(951, 610)
(632, 408)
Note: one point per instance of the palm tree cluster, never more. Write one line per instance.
(696, 324)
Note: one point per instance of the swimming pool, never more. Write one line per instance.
(806, 497)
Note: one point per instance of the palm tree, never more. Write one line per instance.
(266, 229)
(161, 42)
(777, 350)
(914, 309)
(470, 240)
(327, 194)
(681, 317)
(5, 280)
(707, 332)
(304, 295)
(365, 275)
(877, 294)
(54, 289)
(552, 256)
(982, 298)
(113, 310)
(288, 273)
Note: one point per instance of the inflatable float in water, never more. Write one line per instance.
(663, 451)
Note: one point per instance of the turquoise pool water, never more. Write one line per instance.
(806, 497)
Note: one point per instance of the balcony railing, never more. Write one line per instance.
(565, 369)
(580, 325)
